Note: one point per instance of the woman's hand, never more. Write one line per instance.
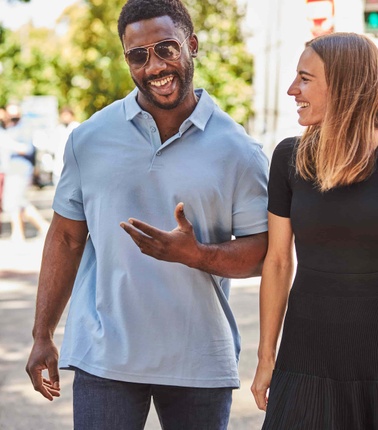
(261, 383)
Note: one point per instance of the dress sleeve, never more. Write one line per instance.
(281, 171)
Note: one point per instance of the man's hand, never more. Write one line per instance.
(44, 355)
(179, 245)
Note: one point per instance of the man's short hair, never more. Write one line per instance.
(138, 10)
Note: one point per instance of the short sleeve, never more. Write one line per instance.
(279, 186)
(251, 197)
(68, 199)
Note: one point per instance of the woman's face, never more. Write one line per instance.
(310, 88)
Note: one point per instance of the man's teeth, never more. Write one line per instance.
(162, 82)
(303, 104)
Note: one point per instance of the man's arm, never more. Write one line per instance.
(239, 258)
(61, 257)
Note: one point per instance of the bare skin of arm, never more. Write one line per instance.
(61, 257)
(240, 258)
(275, 286)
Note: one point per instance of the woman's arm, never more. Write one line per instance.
(276, 281)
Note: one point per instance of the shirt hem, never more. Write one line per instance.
(150, 379)
(257, 230)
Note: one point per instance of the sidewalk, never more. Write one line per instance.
(21, 408)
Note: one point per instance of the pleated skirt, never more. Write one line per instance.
(326, 375)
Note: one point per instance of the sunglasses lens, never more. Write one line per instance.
(137, 56)
(168, 50)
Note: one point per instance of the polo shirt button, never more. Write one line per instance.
(145, 116)
(153, 129)
(158, 153)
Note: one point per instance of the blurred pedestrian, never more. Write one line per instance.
(3, 117)
(141, 327)
(18, 177)
(67, 123)
(323, 193)
(3, 156)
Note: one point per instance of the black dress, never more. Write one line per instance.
(326, 375)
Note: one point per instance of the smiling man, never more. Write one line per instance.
(149, 314)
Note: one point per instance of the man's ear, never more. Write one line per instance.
(193, 45)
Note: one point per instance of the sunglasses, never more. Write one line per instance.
(167, 50)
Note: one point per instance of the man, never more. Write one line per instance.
(142, 327)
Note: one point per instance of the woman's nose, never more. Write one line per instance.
(293, 90)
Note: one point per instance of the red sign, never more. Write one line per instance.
(321, 14)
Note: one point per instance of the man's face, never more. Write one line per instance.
(162, 84)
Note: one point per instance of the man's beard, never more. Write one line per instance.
(184, 86)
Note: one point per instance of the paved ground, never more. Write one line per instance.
(21, 408)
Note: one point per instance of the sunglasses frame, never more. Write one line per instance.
(152, 46)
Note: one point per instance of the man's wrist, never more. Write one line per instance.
(42, 334)
(200, 260)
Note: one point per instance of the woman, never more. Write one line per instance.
(323, 192)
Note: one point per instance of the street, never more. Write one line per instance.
(21, 408)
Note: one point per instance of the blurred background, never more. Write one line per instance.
(69, 51)
(61, 61)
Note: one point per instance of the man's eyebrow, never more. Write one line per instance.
(303, 72)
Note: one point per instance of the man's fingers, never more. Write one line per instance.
(181, 219)
(52, 389)
(48, 387)
(54, 376)
(49, 384)
(139, 229)
(39, 384)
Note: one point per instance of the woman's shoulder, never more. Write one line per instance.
(287, 145)
(284, 152)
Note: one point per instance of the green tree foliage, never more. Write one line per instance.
(95, 55)
(83, 65)
(224, 66)
(28, 64)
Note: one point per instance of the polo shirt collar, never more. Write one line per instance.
(131, 105)
(203, 111)
(199, 117)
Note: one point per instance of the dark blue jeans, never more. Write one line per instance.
(104, 404)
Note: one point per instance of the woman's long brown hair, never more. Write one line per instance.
(342, 149)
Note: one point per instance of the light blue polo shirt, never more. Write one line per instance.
(134, 318)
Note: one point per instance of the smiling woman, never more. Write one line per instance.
(323, 197)
(42, 13)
